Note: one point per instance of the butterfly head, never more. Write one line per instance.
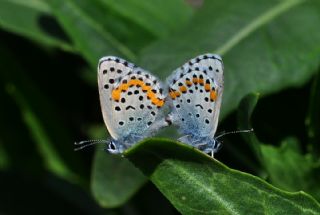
(114, 147)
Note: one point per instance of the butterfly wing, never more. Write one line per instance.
(195, 91)
(131, 98)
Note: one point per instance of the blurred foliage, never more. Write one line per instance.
(49, 99)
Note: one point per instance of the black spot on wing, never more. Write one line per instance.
(130, 107)
(199, 105)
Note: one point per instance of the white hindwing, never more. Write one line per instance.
(130, 98)
(196, 91)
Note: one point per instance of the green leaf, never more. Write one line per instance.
(197, 184)
(33, 21)
(289, 169)
(100, 28)
(285, 167)
(114, 179)
(312, 120)
(160, 17)
(90, 36)
(258, 41)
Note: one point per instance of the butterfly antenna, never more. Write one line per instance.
(234, 132)
(86, 143)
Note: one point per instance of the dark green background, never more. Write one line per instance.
(49, 100)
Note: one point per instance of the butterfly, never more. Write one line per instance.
(195, 95)
(131, 100)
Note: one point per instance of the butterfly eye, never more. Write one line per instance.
(112, 148)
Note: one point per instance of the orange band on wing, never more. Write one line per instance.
(195, 80)
(207, 87)
(213, 95)
(123, 87)
(116, 93)
(150, 95)
(135, 83)
(183, 89)
(177, 93)
(188, 83)
(154, 100)
(160, 103)
(172, 94)
(146, 88)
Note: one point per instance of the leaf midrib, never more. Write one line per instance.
(261, 20)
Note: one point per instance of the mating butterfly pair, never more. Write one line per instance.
(132, 101)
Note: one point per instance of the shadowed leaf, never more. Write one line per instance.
(114, 179)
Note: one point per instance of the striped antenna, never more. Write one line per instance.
(234, 132)
(85, 143)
